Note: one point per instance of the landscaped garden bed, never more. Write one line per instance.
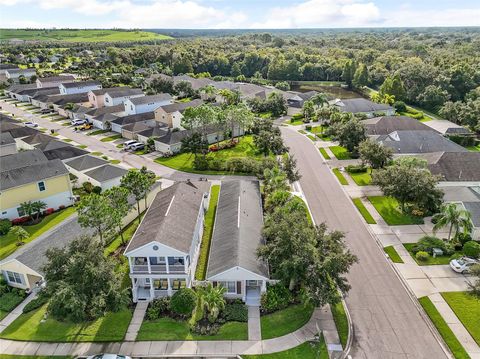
(422, 251)
(9, 298)
(389, 209)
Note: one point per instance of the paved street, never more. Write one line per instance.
(387, 322)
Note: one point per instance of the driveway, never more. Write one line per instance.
(388, 322)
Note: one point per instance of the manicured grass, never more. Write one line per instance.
(341, 153)
(341, 322)
(184, 161)
(171, 329)
(201, 270)
(306, 350)
(324, 153)
(303, 132)
(9, 301)
(82, 146)
(388, 208)
(362, 178)
(392, 254)
(96, 153)
(67, 140)
(32, 327)
(474, 148)
(115, 162)
(294, 123)
(120, 145)
(312, 138)
(467, 308)
(285, 321)
(128, 233)
(9, 241)
(363, 211)
(450, 339)
(318, 131)
(340, 176)
(111, 138)
(301, 202)
(97, 132)
(438, 260)
(83, 35)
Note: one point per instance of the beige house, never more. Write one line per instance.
(171, 115)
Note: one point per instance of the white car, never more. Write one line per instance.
(463, 265)
(108, 356)
(137, 146)
(127, 144)
(31, 124)
(77, 122)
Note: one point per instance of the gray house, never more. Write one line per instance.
(363, 106)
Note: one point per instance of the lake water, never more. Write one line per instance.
(332, 92)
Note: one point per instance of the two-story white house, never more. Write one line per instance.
(53, 81)
(71, 88)
(144, 104)
(163, 252)
(15, 74)
(112, 96)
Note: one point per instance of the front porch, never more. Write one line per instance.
(147, 289)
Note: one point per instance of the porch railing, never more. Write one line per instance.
(158, 268)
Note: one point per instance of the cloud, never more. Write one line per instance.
(407, 16)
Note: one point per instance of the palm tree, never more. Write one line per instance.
(20, 233)
(209, 91)
(456, 218)
(274, 180)
(214, 300)
(27, 208)
(320, 99)
(38, 207)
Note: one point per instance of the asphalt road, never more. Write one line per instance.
(387, 323)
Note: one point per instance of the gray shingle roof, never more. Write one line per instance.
(72, 98)
(150, 99)
(21, 159)
(66, 78)
(388, 124)
(238, 229)
(455, 166)
(175, 228)
(474, 209)
(123, 91)
(103, 110)
(64, 153)
(356, 105)
(6, 138)
(106, 172)
(16, 130)
(125, 120)
(80, 84)
(181, 106)
(85, 162)
(405, 142)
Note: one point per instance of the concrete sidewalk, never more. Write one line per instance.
(254, 329)
(136, 322)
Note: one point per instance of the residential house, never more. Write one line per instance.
(30, 176)
(8, 146)
(237, 234)
(58, 102)
(5, 67)
(159, 130)
(447, 127)
(163, 252)
(130, 131)
(171, 115)
(27, 95)
(455, 168)
(138, 105)
(15, 74)
(474, 209)
(385, 125)
(15, 129)
(466, 197)
(147, 117)
(54, 81)
(363, 106)
(298, 98)
(112, 96)
(51, 148)
(14, 90)
(71, 88)
(104, 121)
(92, 113)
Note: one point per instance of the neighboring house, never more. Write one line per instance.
(51, 148)
(455, 167)
(130, 131)
(79, 87)
(59, 101)
(144, 104)
(17, 131)
(13, 91)
(112, 96)
(106, 176)
(54, 81)
(298, 98)
(8, 146)
(93, 113)
(385, 125)
(27, 95)
(171, 115)
(15, 74)
(413, 142)
(64, 153)
(104, 121)
(30, 176)
(237, 234)
(5, 67)
(363, 106)
(147, 117)
(474, 209)
(163, 252)
(159, 130)
(447, 128)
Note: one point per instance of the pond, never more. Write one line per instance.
(332, 92)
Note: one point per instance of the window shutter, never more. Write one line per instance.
(239, 287)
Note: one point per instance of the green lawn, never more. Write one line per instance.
(9, 241)
(285, 321)
(340, 176)
(115, 162)
(111, 138)
(32, 327)
(8, 302)
(392, 254)
(294, 123)
(438, 260)
(388, 208)
(201, 270)
(324, 153)
(450, 339)
(96, 153)
(467, 308)
(474, 148)
(341, 153)
(306, 350)
(312, 137)
(171, 329)
(82, 146)
(128, 233)
(363, 211)
(83, 35)
(184, 161)
(318, 131)
(341, 322)
(97, 132)
(362, 178)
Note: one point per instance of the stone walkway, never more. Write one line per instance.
(15, 313)
(136, 321)
(254, 329)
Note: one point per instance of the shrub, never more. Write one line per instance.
(422, 256)
(4, 287)
(158, 307)
(87, 186)
(356, 169)
(10, 300)
(200, 163)
(5, 226)
(462, 140)
(463, 238)
(275, 298)
(97, 189)
(236, 312)
(400, 106)
(20, 220)
(427, 243)
(183, 301)
(308, 127)
(40, 300)
(472, 249)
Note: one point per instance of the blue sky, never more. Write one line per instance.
(237, 13)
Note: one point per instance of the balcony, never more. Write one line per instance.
(158, 269)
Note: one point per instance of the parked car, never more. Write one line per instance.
(31, 124)
(463, 265)
(86, 126)
(127, 144)
(46, 110)
(108, 356)
(77, 122)
(137, 146)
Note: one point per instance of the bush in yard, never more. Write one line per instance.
(472, 249)
(158, 307)
(235, 312)
(400, 106)
(356, 168)
(308, 127)
(37, 302)
(97, 189)
(463, 238)
(422, 256)
(183, 301)
(4, 287)
(427, 243)
(275, 298)
(5, 226)
(10, 300)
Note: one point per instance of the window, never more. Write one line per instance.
(140, 261)
(231, 287)
(178, 284)
(41, 186)
(176, 261)
(21, 212)
(14, 277)
(131, 107)
(160, 284)
(157, 260)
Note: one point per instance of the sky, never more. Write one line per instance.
(231, 14)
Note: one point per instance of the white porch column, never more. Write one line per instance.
(152, 289)
(167, 266)
(264, 286)
(149, 267)
(134, 291)
(169, 290)
(130, 263)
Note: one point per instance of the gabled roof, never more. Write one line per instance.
(136, 127)
(51, 145)
(172, 217)
(123, 91)
(61, 100)
(237, 232)
(17, 131)
(357, 105)
(16, 88)
(37, 139)
(107, 109)
(86, 162)
(64, 153)
(455, 166)
(125, 120)
(150, 99)
(66, 78)
(387, 124)
(180, 106)
(6, 139)
(474, 209)
(21, 159)
(156, 131)
(447, 127)
(21, 71)
(106, 172)
(81, 84)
